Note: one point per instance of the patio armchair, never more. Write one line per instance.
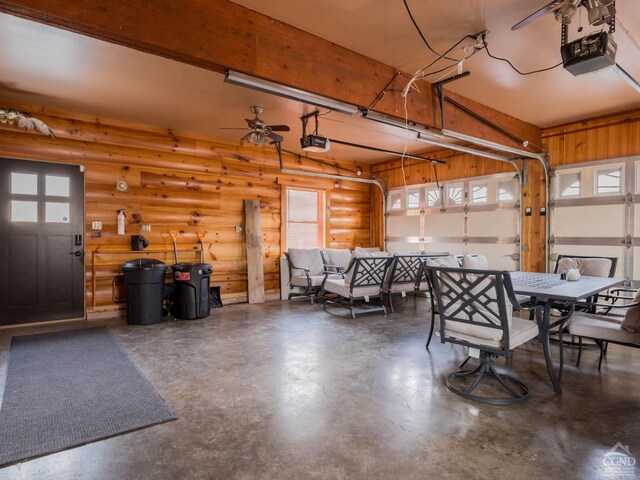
(361, 287)
(336, 260)
(618, 325)
(306, 272)
(476, 310)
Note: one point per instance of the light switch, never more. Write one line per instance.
(96, 225)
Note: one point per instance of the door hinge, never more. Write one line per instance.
(628, 241)
(628, 199)
(552, 240)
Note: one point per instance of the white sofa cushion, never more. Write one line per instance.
(341, 287)
(366, 249)
(591, 267)
(475, 262)
(338, 257)
(600, 327)
(631, 322)
(309, 258)
(449, 261)
(316, 280)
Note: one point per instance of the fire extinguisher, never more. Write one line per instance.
(121, 217)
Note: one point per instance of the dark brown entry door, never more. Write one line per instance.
(41, 241)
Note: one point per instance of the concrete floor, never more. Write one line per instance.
(284, 390)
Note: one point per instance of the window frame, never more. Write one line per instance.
(448, 198)
(516, 191)
(596, 172)
(559, 194)
(409, 191)
(479, 183)
(323, 217)
(426, 197)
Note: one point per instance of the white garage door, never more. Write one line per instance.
(480, 215)
(593, 212)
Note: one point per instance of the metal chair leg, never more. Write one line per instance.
(579, 351)
(602, 348)
(465, 362)
(433, 322)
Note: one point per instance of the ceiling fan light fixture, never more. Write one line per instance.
(566, 12)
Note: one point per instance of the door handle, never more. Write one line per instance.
(77, 254)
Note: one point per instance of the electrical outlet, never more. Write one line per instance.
(96, 225)
(146, 227)
(238, 229)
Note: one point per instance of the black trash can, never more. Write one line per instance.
(191, 290)
(144, 285)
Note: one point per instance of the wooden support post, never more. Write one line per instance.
(253, 241)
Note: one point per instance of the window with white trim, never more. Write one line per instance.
(413, 199)
(507, 191)
(479, 193)
(395, 200)
(454, 194)
(608, 180)
(305, 218)
(432, 196)
(569, 184)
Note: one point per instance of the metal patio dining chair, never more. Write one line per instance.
(476, 310)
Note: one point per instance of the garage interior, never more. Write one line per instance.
(442, 130)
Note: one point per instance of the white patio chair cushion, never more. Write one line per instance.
(301, 281)
(366, 249)
(338, 257)
(400, 287)
(591, 267)
(600, 327)
(341, 287)
(521, 331)
(309, 258)
(449, 261)
(476, 262)
(631, 322)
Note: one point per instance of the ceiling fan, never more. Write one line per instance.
(600, 12)
(259, 132)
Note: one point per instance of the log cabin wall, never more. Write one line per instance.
(185, 183)
(601, 138)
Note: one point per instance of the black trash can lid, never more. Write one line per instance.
(184, 267)
(143, 264)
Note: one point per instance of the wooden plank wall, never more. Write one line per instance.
(187, 183)
(600, 138)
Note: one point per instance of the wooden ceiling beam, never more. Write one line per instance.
(219, 35)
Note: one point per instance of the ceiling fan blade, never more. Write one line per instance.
(233, 128)
(278, 128)
(275, 137)
(537, 14)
